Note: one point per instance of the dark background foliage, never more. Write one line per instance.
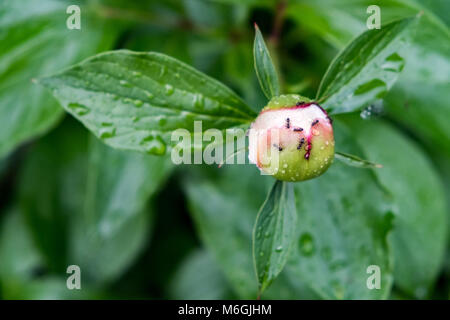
(140, 227)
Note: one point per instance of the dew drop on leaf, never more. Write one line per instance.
(163, 71)
(107, 130)
(372, 110)
(125, 83)
(279, 249)
(127, 100)
(162, 121)
(78, 108)
(138, 103)
(154, 145)
(199, 101)
(306, 244)
(377, 85)
(169, 89)
(394, 63)
(149, 95)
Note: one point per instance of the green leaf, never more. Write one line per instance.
(367, 68)
(22, 263)
(273, 233)
(18, 254)
(47, 288)
(343, 20)
(425, 82)
(87, 205)
(264, 67)
(339, 235)
(420, 233)
(51, 190)
(344, 220)
(355, 161)
(116, 221)
(225, 224)
(135, 100)
(199, 278)
(35, 41)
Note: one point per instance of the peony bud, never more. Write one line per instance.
(292, 139)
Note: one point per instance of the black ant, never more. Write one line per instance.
(302, 141)
(278, 147)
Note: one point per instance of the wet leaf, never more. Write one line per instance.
(34, 41)
(229, 236)
(264, 67)
(367, 68)
(419, 237)
(273, 233)
(135, 100)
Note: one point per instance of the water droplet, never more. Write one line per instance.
(78, 108)
(267, 234)
(394, 63)
(138, 103)
(306, 244)
(169, 89)
(199, 101)
(162, 121)
(376, 85)
(154, 145)
(127, 100)
(107, 130)
(261, 254)
(163, 71)
(149, 94)
(125, 83)
(137, 73)
(279, 249)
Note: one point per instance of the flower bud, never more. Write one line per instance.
(292, 139)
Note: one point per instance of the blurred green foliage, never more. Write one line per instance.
(140, 227)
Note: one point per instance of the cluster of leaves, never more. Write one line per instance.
(74, 200)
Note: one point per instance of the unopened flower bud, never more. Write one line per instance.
(292, 139)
